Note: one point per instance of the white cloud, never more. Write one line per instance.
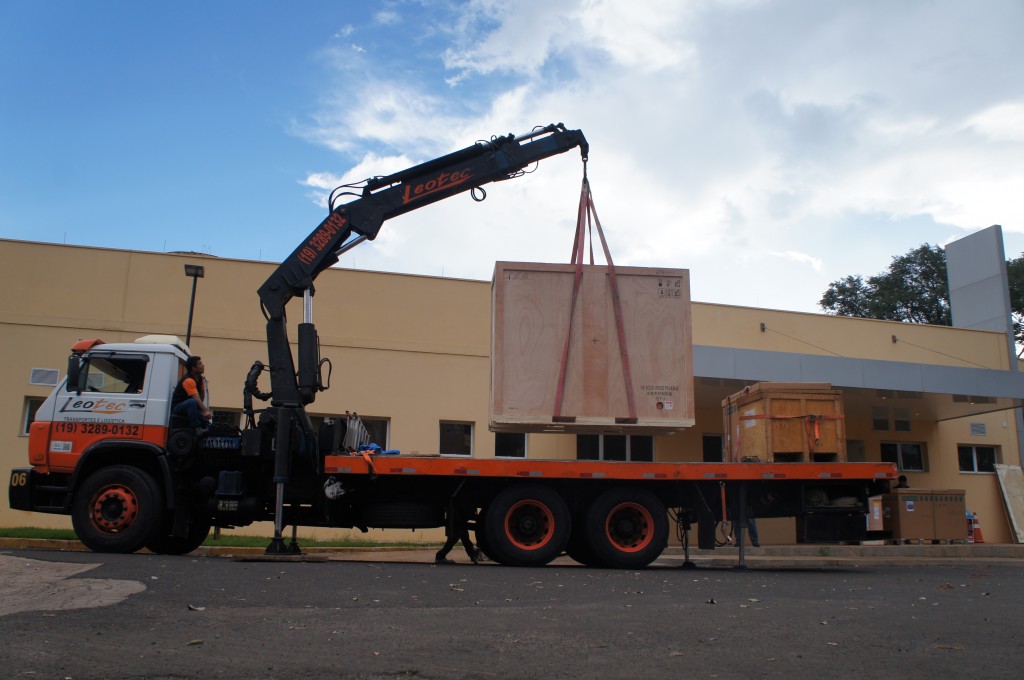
(724, 135)
(1001, 123)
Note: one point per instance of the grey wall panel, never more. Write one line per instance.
(775, 366)
(949, 380)
(714, 362)
(892, 375)
(835, 370)
(754, 365)
(979, 296)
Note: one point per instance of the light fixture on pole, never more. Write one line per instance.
(195, 272)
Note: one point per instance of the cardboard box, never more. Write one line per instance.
(531, 320)
(785, 423)
(926, 514)
(876, 514)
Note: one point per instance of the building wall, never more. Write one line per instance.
(414, 349)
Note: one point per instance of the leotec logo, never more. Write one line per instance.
(443, 181)
(101, 406)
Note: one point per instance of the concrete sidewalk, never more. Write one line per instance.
(779, 557)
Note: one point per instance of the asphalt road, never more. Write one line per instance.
(82, 615)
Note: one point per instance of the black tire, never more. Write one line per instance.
(165, 544)
(526, 526)
(181, 442)
(579, 549)
(117, 509)
(480, 535)
(627, 528)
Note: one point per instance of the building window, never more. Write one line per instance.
(635, 448)
(509, 445)
(456, 439)
(227, 418)
(378, 429)
(909, 456)
(880, 419)
(712, 446)
(977, 458)
(32, 405)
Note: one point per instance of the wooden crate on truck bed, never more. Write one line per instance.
(785, 423)
(530, 322)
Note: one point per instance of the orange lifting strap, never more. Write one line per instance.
(812, 424)
(586, 219)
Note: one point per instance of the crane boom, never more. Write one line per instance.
(383, 198)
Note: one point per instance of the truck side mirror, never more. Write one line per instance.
(75, 373)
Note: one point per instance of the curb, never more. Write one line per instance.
(770, 557)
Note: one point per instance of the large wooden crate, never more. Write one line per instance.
(530, 321)
(785, 423)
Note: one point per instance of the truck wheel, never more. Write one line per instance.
(579, 549)
(627, 528)
(480, 534)
(526, 526)
(165, 544)
(117, 509)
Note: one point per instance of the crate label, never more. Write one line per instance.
(670, 287)
(660, 390)
(749, 422)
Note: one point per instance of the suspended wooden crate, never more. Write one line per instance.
(530, 323)
(785, 423)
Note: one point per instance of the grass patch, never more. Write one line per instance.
(32, 532)
(227, 540)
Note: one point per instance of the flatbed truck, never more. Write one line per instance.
(106, 449)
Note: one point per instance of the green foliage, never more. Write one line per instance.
(1015, 273)
(226, 540)
(913, 289)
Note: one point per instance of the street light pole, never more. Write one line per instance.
(195, 272)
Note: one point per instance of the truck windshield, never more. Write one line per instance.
(120, 375)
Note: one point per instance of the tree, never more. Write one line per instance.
(1015, 274)
(913, 289)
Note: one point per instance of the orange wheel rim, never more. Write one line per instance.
(529, 525)
(629, 527)
(114, 508)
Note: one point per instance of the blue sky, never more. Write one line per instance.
(769, 146)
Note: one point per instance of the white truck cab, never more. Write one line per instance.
(119, 391)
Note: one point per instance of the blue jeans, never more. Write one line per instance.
(752, 532)
(190, 409)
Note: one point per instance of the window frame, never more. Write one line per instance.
(996, 456)
(441, 438)
(102, 364)
(513, 456)
(707, 438)
(28, 413)
(628, 447)
(900, 445)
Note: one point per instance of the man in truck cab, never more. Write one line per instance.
(189, 397)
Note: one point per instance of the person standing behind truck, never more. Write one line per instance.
(189, 397)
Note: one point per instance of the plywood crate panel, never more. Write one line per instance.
(530, 320)
(785, 423)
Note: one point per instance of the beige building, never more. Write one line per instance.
(410, 355)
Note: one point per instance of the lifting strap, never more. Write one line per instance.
(586, 219)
